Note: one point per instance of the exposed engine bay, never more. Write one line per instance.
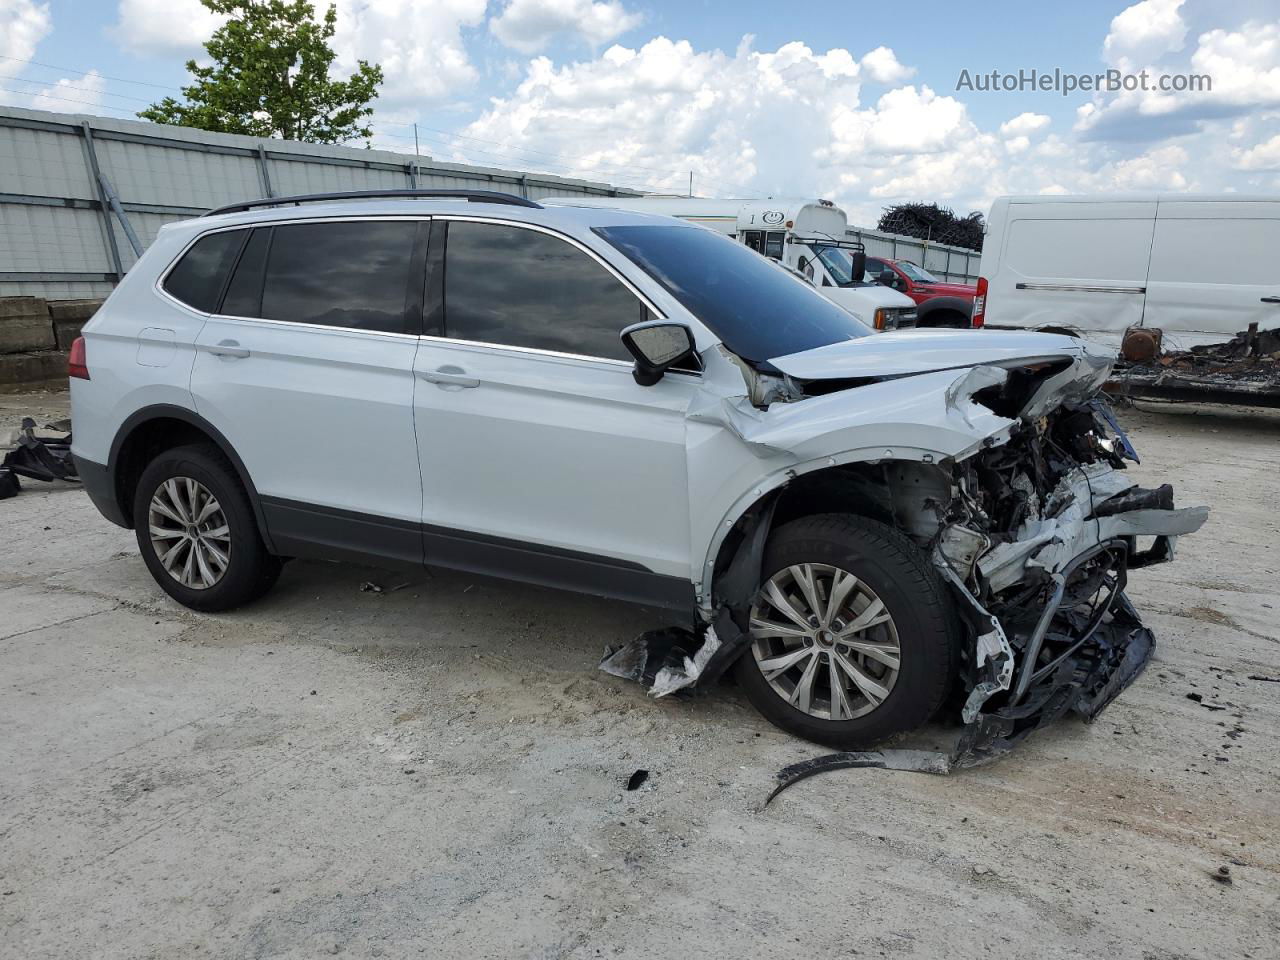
(1037, 541)
(1030, 518)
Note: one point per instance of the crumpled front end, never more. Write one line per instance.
(1037, 541)
(1008, 473)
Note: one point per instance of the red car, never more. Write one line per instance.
(940, 304)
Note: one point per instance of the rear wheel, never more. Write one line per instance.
(851, 633)
(197, 532)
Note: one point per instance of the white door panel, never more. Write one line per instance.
(1079, 266)
(1212, 263)
(551, 450)
(318, 415)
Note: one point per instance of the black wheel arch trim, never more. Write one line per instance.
(167, 411)
(950, 304)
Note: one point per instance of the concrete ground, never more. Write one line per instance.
(438, 770)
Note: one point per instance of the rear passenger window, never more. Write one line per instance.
(523, 288)
(340, 274)
(198, 277)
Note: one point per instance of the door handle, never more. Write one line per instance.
(228, 348)
(449, 376)
(1271, 299)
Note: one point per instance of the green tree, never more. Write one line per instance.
(270, 78)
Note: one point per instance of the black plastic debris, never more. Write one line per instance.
(44, 458)
(637, 779)
(643, 658)
(913, 761)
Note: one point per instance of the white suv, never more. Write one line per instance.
(638, 408)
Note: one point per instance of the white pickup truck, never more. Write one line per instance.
(807, 236)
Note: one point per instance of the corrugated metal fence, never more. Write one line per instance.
(62, 175)
(954, 264)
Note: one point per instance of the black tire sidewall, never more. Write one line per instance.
(250, 569)
(893, 567)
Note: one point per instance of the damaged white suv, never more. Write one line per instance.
(638, 408)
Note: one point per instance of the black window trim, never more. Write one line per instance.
(437, 304)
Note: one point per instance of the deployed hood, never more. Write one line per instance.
(908, 352)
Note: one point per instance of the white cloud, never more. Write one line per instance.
(23, 24)
(72, 95)
(1243, 67)
(1144, 32)
(881, 65)
(1262, 156)
(163, 27)
(420, 46)
(531, 25)
(1158, 169)
(904, 121)
(1024, 124)
(785, 122)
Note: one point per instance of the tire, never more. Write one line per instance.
(230, 531)
(889, 569)
(945, 319)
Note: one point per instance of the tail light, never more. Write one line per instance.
(980, 303)
(77, 362)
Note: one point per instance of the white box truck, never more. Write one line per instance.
(1189, 270)
(807, 236)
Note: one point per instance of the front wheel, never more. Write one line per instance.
(197, 532)
(851, 633)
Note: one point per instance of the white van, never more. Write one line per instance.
(808, 236)
(1199, 268)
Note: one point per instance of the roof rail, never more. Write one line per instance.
(475, 196)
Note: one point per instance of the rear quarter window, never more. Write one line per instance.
(199, 275)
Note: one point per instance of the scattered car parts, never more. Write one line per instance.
(41, 458)
(1243, 370)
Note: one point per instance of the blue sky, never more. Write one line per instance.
(855, 100)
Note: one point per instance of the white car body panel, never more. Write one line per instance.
(1196, 267)
(564, 452)
(332, 412)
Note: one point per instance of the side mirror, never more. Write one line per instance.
(858, 266)
(888, 278)
(657, 346)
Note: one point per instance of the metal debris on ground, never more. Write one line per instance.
(44, 458)
(1245, 369)
(912, 761)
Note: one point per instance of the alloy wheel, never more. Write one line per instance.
(825, 642)
(189, 532)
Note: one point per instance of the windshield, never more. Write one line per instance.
(757, 310)
(839, 263)
(918, 274)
